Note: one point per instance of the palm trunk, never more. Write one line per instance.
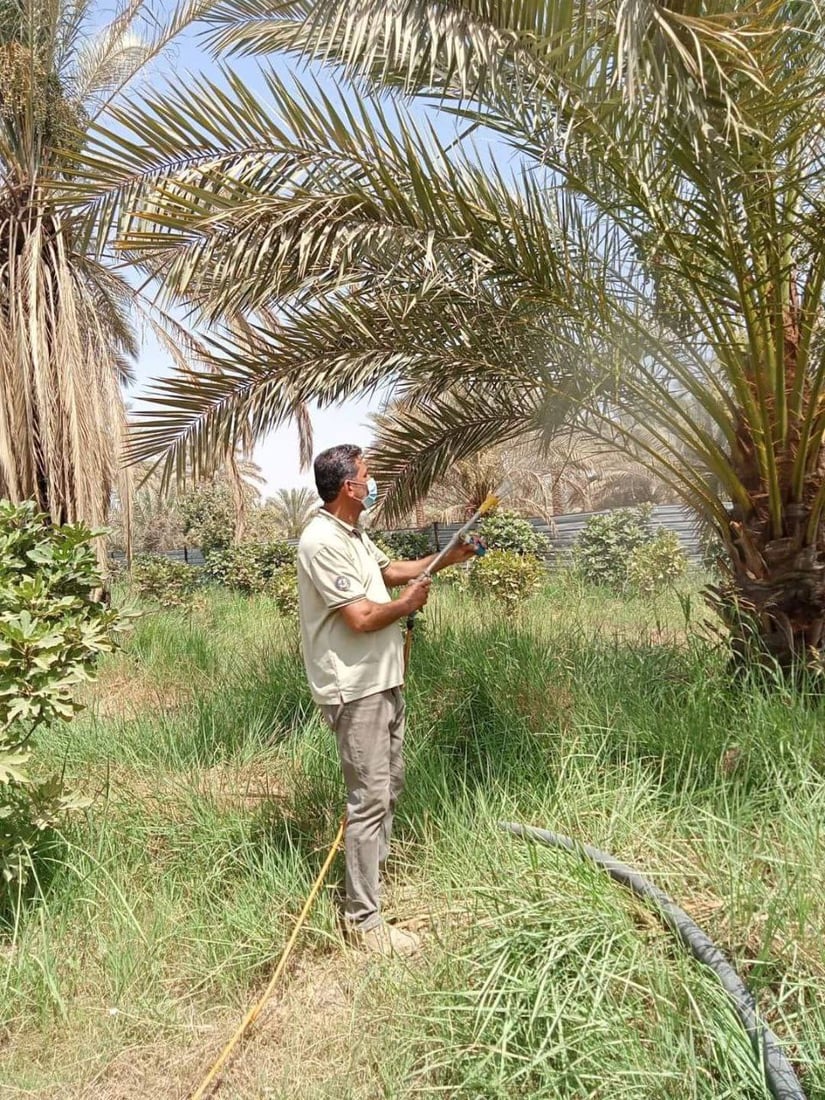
(773, 601)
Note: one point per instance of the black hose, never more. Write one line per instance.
(779, 1074)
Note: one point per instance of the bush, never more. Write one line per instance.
(284, 590)
(166, 581)
(208, 516)
(508, 531)
(457, 577)
(655, 565)
(51, 631)
(507, 576)
(249, 566)
(404, 545)
(604, 547)
(381, 543)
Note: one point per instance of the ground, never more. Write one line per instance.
(216, 795)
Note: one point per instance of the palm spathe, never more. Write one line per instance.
(662, 228)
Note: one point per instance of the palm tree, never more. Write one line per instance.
(66, 335)
(570, 473)
(293, 509)
(651, 264)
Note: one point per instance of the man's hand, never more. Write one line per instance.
(416, 594)
(461, 553)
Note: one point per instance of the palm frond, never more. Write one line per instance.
(260, 374)
(242, 205)
(418, 442)
(408, 43)
(665, 56)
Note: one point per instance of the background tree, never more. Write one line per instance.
(160, 517)
(569, 474)
(151, 521)
(66, 337)
(656, 249)
(292, 509)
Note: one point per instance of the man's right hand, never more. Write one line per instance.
(416, 593)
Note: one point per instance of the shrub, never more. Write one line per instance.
(508, 531)
(405, 545)
(166, 581)
(655, 565)
(604, 547)
(284, 590)
(507, 576)
(380, 541)
(51, 631)
(249, 566)
(457, 577)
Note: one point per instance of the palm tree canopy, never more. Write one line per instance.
(293, 509)
(655, 248)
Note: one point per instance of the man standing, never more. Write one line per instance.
(353, 653)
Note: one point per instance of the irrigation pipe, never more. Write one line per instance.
(256, 1009)
(779, 1074)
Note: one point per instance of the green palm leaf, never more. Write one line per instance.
(658, 240)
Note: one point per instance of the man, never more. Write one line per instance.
(353, 653)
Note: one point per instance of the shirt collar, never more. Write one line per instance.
(341, 523)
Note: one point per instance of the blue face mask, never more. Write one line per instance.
(371, 499)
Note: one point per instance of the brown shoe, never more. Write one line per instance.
(386, 939)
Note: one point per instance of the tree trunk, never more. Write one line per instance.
(773, 600)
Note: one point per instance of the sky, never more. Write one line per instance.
(277, 454)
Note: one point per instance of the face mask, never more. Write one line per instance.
(371, 499)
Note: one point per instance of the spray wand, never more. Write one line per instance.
(487, 505)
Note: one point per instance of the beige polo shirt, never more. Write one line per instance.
(337, 565)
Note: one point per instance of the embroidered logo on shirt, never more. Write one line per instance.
(342, 583)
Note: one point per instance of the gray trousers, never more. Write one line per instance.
(370, 735)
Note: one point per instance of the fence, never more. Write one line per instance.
(565, 530)
(562, 534)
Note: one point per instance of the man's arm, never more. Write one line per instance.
(399, 572)
(364, 616)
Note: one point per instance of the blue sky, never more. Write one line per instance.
(277, 455)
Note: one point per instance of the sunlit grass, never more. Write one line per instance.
(217, 794)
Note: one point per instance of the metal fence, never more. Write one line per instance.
(562, 534)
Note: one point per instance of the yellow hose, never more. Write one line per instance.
(255, 1011)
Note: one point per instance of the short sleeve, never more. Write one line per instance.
(379, 555)
(336, 576)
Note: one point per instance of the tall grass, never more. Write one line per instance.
(218, 794)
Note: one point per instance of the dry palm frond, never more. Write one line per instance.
(62, 412)
(66, 315)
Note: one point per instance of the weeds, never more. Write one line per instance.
(219, 794)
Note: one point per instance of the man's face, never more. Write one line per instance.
(357, 486)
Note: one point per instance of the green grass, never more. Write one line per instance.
(216, 797)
